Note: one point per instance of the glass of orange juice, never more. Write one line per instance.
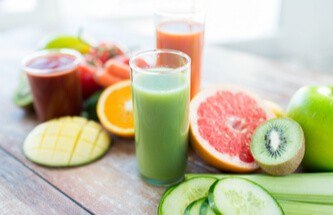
(180, 26)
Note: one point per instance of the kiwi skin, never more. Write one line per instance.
(288, 166)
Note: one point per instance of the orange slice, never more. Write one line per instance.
(114, 109)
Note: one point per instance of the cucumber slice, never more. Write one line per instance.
(235, 195)
(176, 200)
(205, 208)
(194, 207)
(166, 193)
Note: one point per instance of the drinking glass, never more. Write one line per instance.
(54, 81)
(180, 26)
(161, 96)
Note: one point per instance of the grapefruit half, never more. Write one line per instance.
(222, 121)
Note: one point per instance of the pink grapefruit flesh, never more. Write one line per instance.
(223, 120)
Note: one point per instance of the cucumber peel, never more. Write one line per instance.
(176, 199)
(194, 207)
(205, 209)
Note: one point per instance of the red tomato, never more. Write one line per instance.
(105, 79)
(117, 68)
(105, 51)
(141, 63)
(122, 58)
(88, 83)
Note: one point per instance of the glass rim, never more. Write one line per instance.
(182, 68)
(179, 14)
(160, 10)
(50, 52)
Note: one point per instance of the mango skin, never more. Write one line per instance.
(312, 108)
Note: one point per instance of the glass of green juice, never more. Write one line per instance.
(161, 97)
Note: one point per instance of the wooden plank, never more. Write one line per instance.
(23, 192)
(112, 184)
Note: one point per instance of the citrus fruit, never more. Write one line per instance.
(114, 109)
(66, 141)
(222, 121)
(274, 108)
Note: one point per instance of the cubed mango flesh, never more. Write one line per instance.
(67, 141)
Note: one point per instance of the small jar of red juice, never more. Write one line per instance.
(55, 82)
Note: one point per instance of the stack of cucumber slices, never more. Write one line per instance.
(249, 194)
(208, 195)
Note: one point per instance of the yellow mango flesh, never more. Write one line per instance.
(67, 141)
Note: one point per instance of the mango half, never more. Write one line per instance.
(67, 141)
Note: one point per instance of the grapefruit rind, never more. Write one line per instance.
(206, 151)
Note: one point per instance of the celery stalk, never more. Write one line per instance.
(302, 208)
(303, 187)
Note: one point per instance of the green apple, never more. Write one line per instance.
(68, 41)
(312, 108)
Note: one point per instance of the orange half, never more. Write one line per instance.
(114, 109)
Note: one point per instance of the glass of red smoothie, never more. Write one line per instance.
(180, 26)
(55, 82)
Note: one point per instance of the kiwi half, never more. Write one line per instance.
(278, 146)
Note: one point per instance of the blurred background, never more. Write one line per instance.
(296, 32)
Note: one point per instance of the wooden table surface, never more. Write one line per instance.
(111, 185)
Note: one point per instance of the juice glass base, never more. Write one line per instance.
(156, 182)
